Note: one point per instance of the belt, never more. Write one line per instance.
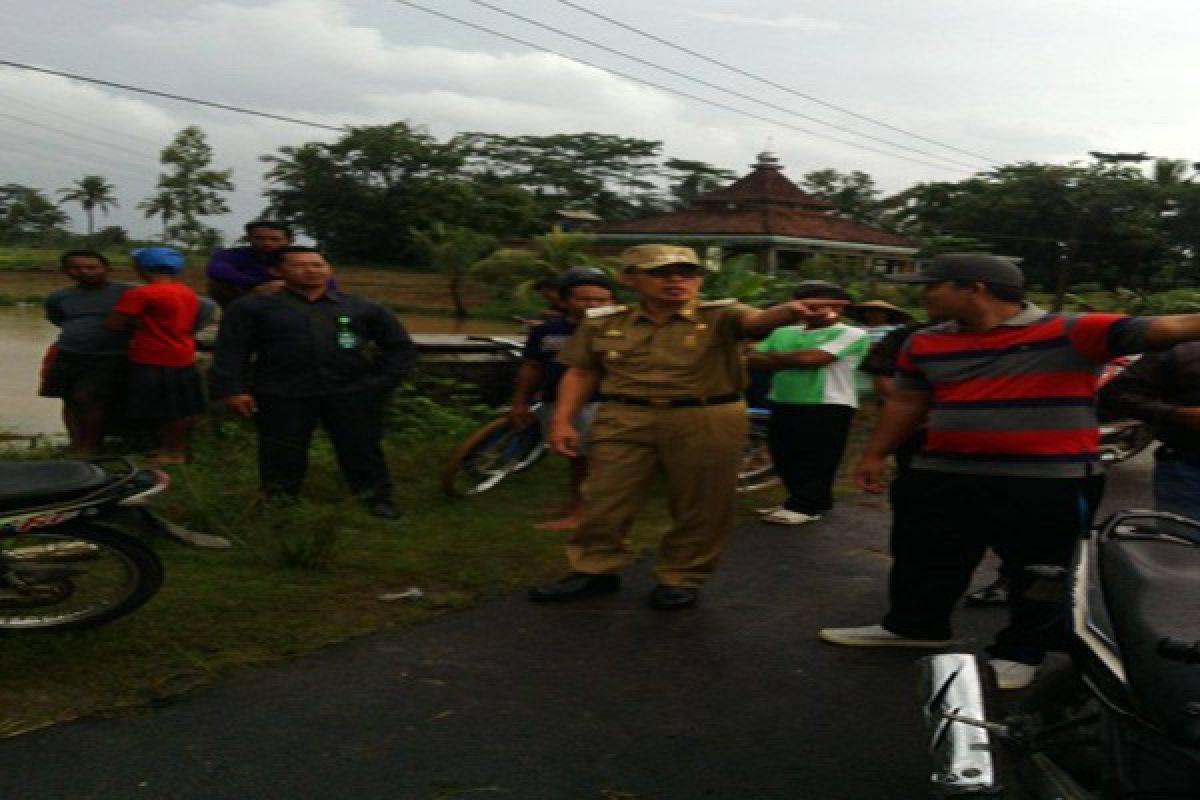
(672, 402)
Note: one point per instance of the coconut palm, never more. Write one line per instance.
(545, 256)
(91, 192)
(161, 205)
(451, 250)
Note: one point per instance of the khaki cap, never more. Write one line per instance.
(649, 256)
(894, 312)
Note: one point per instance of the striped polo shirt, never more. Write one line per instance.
(1020, 398)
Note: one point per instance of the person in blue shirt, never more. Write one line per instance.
(86, 366)
(540, 373)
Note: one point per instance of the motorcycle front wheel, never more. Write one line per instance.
(73, 577)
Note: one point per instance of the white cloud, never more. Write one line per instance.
(794, 22)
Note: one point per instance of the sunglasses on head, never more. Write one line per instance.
(671, 270)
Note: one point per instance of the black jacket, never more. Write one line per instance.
(1152, 387)
(287, 346)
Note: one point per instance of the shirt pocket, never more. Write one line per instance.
(611, 349)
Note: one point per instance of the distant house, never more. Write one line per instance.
(571, 220)
(766, 214)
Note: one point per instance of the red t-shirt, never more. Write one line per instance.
(167, 313)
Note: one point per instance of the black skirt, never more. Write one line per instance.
(164, 393)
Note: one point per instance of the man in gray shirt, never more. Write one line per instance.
(86, 366)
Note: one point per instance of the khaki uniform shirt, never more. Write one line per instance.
(696, 352)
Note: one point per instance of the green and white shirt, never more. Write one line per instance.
(832, 384)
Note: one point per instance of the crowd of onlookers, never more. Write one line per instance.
(292, 353)
(990, 407)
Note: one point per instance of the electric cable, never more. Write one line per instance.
(668, 89)
(710, 85)
(81, 137)
(168, 95)
(774, 84)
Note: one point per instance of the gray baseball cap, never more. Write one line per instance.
(983, 267)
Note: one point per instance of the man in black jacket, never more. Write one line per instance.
(307, 355)
(1163, 389)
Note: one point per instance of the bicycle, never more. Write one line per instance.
(491, 454)
(500, 448)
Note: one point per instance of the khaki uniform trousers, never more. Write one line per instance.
(699, 452)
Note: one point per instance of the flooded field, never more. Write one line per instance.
(25, 335)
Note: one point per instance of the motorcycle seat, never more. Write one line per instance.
(1151, 592)
(27, 484)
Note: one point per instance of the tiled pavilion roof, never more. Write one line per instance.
(763, 203)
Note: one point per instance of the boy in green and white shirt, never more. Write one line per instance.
(813, 399)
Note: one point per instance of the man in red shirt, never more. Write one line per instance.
(1010, 461)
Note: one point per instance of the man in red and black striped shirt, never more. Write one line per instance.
(1011, 456)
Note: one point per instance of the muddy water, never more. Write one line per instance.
(25, 335)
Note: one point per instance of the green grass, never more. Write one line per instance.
(219, 610)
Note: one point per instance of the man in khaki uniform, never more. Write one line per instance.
(670, 372)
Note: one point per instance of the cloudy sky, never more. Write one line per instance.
(950, 86)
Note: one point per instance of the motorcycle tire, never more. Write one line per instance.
(75, 576)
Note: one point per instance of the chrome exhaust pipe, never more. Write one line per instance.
(956, 718)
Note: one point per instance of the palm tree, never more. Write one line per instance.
(161, 205)
(546, 256)
(451, 250)
(91, 192)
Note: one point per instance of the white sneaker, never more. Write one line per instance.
(781, 516)
(1013, 674)
(762, 512)
(875, 636)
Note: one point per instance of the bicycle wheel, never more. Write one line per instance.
(757, 470)
(75, 576)
(491, 454)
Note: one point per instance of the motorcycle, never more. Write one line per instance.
(1121, 717)
(1121, 439)
(61, 567)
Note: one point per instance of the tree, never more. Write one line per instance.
(451, 250)
(363, 195)
(27, 216)
(853, 194)
(687, 179)
(548, 255)
(191, 190)
(612, 176)
(91, 192)
(161, 205)
(1101, 222)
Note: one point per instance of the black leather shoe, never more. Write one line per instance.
(577, 584)
(672, 598)
(384, 509)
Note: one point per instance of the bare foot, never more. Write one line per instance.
(564, 524)
(161, 458)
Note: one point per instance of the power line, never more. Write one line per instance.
(774, 84)
(179, 97)
(73, 135)
(668, 89)
(92, 124)
(710, 85)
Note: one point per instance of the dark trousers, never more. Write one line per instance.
(354, 423)
(945, 522)
(806, 444)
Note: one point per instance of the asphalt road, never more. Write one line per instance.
(600, 700)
